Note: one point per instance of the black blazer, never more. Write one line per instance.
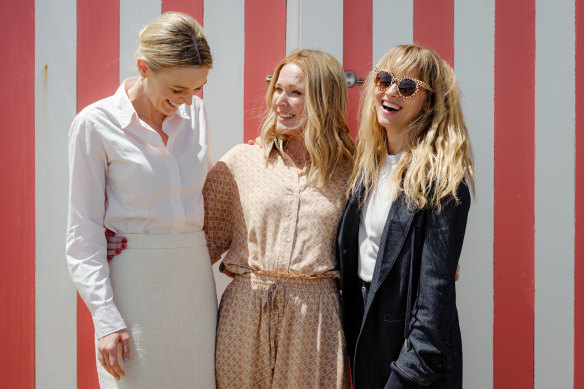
(375, 331)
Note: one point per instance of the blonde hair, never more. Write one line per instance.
(438, 153)
(173, 40)
(326, 135)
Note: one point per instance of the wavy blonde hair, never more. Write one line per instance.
(326, 134)
(438, 153)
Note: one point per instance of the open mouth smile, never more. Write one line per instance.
(390, 107)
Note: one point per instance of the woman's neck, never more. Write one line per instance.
(142, 105)
(395, 142)
(296, 150)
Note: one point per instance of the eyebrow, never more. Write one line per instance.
(184, 87)
(296, 86)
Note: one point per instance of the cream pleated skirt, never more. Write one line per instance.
(164, 288)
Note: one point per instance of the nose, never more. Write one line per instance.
(281, 99)
(189, 98)
(392, 90)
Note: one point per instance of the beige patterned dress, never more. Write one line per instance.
(279, 319)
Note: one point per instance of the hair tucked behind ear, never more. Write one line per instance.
(438, 153)
(326, 135)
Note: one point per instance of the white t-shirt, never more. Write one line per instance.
(373, 217)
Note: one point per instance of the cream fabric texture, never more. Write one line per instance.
(164, 287)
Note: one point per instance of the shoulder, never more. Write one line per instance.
(463, 192)
(97, 110)
(455, 203)
(242, 153)
(95, 115)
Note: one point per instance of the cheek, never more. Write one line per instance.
(154, 93)
(300, 107)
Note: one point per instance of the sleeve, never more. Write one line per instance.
(86, 244)
(399, 380)
(426, 355)
(218, 192)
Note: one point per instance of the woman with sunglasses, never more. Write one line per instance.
(276, 207)
(402, 232)
(138, 161)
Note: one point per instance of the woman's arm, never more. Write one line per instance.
(428, 353)
(86, 245)
(218, 191)
(86, 248)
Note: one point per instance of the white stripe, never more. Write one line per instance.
(392, 25)
(321, 26)
(554, 194)
(134, 14)
(474, 23)
(292, 25)
(55, 103)
(223, 93)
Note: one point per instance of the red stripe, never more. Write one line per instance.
(514, 193)
(191, 7)
(579, 205)
(98, 35)
(17, 156)
(265, 47)
(357, 49)
(434, 26)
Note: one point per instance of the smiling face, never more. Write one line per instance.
(288, 100)
(395, 112)
(168, 88)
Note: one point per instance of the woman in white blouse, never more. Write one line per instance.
(138, 161)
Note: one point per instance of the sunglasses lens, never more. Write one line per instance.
(383, 80)
(407, 87)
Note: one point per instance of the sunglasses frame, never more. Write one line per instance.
(398, 80)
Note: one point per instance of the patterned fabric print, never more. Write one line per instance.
(280, 333)
(279, 324)
(269, 218)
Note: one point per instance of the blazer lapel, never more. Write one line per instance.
(395, 231)
(348, 236)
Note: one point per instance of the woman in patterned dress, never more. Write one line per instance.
(275, 208)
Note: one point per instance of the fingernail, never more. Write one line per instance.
(123, 246)
(124, 240)
(126, 359)
(118, 251)
(109, 257)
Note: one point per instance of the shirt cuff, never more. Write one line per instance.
(106, 320)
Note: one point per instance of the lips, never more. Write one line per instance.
(390, 107)
(285, 115)
(172, 104)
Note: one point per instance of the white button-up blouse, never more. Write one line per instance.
(123, 177)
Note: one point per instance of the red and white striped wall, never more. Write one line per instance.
(519, 65)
